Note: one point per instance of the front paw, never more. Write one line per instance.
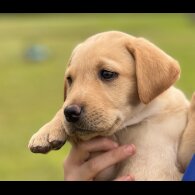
(47, 139)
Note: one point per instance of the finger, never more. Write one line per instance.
(125, 178)
(81, 152)
(98, 144)
(92, 167)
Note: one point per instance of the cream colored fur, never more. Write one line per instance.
(140, 106)
(187, 142)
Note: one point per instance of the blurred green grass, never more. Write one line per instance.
(31, 93)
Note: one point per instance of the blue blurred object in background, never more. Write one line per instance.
(37, 53)
(189, 174)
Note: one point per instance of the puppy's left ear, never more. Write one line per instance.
(155, 70)
(65, 80)
(65, 89)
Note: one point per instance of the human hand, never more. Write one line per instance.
(80, 165)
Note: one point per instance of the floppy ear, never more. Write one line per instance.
(155, 70)
(64, 89)
(69, 62)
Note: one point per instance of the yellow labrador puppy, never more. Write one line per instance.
(120, 86)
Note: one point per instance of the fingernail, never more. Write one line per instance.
(129, 149)
(132, 178)
(133, 146)
(115, 144)
(129, 178)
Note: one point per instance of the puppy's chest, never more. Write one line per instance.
(156, 142)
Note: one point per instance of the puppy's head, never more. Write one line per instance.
(108, 77)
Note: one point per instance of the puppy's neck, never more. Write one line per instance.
(142, 113)
(166, 102)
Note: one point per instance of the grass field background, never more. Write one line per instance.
(31, 92)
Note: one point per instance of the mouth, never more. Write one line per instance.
(77, 130)
(83, 131)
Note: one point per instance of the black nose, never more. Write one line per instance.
(72, 113)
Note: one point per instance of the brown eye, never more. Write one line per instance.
(69, 79)
(107, 75)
